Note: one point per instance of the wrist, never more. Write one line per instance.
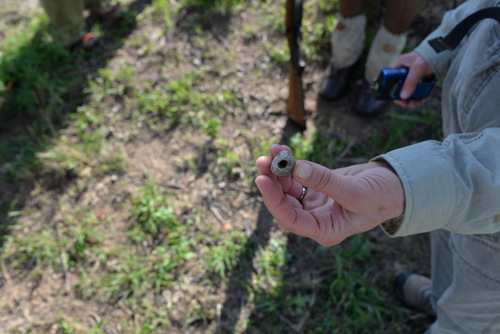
(396, 187)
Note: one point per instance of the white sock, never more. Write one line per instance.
(348, 41)
(384, 52)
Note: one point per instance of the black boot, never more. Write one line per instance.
(335, 83)
(366, 105)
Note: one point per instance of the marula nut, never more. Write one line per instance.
(282, 164)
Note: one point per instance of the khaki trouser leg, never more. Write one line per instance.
(466, 282)
(67, 23)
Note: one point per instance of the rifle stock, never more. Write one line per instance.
(295, 103)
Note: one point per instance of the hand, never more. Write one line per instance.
(418, 69)
(338, 203)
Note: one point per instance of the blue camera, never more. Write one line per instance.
(390, 81)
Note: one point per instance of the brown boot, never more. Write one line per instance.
(415, 292)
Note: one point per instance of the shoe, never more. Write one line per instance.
(335, 83)
(87, 43)
(108, 14)
(415, 292)
(365, 104)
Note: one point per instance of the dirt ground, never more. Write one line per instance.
(37, 297)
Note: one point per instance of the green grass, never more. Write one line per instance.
(181, 103)
(405, 129)
(34, 89)
(222, 258)
(337, 286)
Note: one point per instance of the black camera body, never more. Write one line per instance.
(390, 81)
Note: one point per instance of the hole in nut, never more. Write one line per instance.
(282, 164)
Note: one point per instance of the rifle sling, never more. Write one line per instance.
(451, 41)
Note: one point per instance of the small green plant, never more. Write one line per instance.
(334, 296)
(271, 262)
(350, 292)
(211, 127)
(228, 160)
(222, 257)
(111, 83)
(64, 325)
(301, 147)
(152, 213)
(162, 11)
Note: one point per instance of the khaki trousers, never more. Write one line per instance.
(465, 272)
(67, 23)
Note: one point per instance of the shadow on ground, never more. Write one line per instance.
(320, 286)
(44, 84)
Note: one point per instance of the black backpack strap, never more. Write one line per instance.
(451, 41)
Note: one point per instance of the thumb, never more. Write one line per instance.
(372, 188)
(418, 69)
(322, 179)
(410, 83)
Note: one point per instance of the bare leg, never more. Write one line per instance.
(399, 15)
(352, 8)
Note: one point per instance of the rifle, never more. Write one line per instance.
(293, 22)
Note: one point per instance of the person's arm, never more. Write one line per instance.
(454, 184)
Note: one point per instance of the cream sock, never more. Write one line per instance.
(384, 52)
(348, 38)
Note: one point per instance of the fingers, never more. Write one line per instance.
(410, 83)
(275, 149)
(418, 68)
(264, 165)
(282, 206)
(287, 211)
(409, 103)
(288, 185)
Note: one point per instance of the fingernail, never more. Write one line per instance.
(303, 170)
(404, 94)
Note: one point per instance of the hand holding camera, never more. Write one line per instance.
(390, 81)
(409, 82)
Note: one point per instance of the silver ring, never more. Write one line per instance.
(304, 191)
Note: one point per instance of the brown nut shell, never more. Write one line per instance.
(283, 163)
